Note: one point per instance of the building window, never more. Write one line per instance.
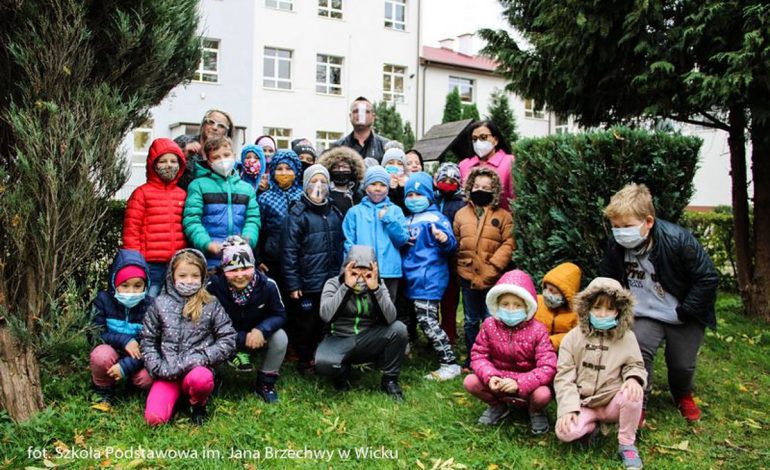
(325, 139)
(330, 8)
(328, 74)
(531, 112)
(395, 14)
(208, 68)
(561, 124)
(393, 77)
(277, 69)
(285, 5)
(464, 86)
(282, 136)
(142, 140)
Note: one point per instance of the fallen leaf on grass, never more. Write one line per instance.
(683, 446)
(136, 463)
(493, 466)
(48, 464)
(102, 406)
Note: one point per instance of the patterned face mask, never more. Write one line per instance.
(186, 289)
(252, 166)
(167, 172)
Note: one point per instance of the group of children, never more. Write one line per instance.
(173, 313)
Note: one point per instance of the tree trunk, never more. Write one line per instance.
(740, 196)
(20, 392)
(759, 294)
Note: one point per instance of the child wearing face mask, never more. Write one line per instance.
(252, 166)
(186, 334)
(312, 254)
(394, 162)
(254, 305)
(117, 315)
(346, 171)
(219, 203)
(554, 306)
(425, 267)
(306, 153)
(484, 233)
(600, 374)
(378, 223)
(152, 224)
(512, 359)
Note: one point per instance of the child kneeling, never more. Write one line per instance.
(512, 359)
(600, 371)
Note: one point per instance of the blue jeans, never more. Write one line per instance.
(157, 278)
(474, 312)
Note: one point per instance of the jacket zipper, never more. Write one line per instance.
(599, 362)
(229, 208)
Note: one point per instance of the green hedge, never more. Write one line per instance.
(715, 232)
(94, 275)
(564, 181)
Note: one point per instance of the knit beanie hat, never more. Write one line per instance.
(514, 282)
(370, 162)
(236, 254)
(420, 183)
(394, 154)
(313, 170)
(129, 272)
(265, 140)
(375, 174)
(449, 170)
(303, 148)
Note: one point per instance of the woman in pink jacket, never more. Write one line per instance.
(491, 150)
(512, 359)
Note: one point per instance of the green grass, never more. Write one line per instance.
(436, 424)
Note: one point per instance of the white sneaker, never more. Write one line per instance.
(493, 415)
(408, 349)
(445, 372)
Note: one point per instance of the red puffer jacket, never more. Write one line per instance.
(153, 221)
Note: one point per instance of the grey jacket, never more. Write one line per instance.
(172, 345)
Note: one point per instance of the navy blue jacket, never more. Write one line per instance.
(313, 246)
(116, 324)
(264, 311)
(682, 266)
(450, 206)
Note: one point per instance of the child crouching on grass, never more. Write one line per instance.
(512, 359)
(601, 375)
(186, 334)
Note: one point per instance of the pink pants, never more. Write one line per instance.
(620, 410)
(197, 385)
(103, 357)
(536, 401)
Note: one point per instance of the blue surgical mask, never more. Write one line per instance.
(603, 323)
(511, 317)
(130, 300)
(394, 170)
(417, 204)
(629, 237)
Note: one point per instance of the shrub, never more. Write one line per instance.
(714, 230)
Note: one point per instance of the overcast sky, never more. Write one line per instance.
(451, 18)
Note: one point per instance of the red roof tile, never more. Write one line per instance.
(448, 57)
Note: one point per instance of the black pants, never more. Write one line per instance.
(383, 344)
(305, 326)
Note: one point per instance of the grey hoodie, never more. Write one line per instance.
(172, 345)
(348, 313)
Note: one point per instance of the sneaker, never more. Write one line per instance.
(198, 414)
(392, 388)
(408, 349)
(241, 362)
(494, 414)
(688, 408)
(630, 457)
(103, 398)
(538, 423)
(445, 372)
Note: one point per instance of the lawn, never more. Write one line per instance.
(435, 428)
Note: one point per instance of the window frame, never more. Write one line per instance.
(395, 97)
(530, 111)
(328, 66)
(328, 10)
(329, 138)
(277, 133)
(139, 156)
(277, 60)
(392, 22)
(198, 75)
(472, 86)
(280, 5)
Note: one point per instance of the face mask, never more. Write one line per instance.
(376, 197)
(511, 317)
(360, 286)
(394, 170)
(603, 323)
(629, 237)
(223, 166)
(317, 192)
(130, 300)
(167, 172)
(186, 289)
(252, 167)
(341, 178)
(447, 188)
(305, 166)
(553, 300)
(284, 181)
(481, 198)
(483, 147)
(417, 204)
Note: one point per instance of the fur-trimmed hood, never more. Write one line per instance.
(496, 185)
(624, 301)
(337, 154)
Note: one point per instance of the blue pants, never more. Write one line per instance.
(474, 312)
(157, 278)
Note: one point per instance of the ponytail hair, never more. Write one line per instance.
(193, 307)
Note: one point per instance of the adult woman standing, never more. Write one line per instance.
(491, 150)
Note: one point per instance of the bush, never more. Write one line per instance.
(564, 181)
(714, 230)
(93, 275)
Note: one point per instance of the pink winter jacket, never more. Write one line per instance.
(523, 353)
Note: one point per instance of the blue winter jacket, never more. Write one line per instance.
(274, 206)
(425, 264)
(116, 324)
(252, 180)
(362, 226)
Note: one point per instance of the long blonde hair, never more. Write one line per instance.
(193, 307)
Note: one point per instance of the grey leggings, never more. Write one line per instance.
(426, 312)
(274, 352)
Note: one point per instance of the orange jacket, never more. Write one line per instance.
(484, 245)
(566, 278)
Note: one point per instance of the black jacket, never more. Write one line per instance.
(682, 266)
(313, 246)
(374, 146)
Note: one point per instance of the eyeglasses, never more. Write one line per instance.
(482, 137)
(220, 125)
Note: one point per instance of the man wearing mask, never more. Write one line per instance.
(363, 139)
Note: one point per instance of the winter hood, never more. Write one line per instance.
(169, 287)
(257, 150)
(344, 154)
(496, 186)
(160, 147)
(514, 282)
(566, 277)
(624, 301)
(125, 258)
(291, 159)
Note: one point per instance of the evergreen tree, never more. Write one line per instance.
(501, 114)
(470, 111)
(453, 109)
(409, 138)
(388, 122)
